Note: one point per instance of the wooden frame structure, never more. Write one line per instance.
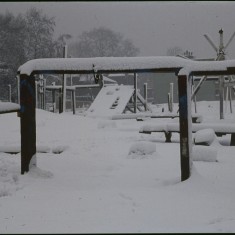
(183, 68)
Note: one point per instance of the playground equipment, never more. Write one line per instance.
(42, 88)
(117, 99)
(224, 82)
(183, 68)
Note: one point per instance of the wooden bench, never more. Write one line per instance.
(168, 128)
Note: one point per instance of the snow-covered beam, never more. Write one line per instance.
(102, 64)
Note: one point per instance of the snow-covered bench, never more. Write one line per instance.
(219, 128)
(8, 107)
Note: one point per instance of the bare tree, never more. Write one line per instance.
(39, 34)
(12, 31)
(101, 42)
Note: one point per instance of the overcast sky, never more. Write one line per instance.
(153, 26)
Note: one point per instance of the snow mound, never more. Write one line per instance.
(36, 172)
(204, 153)
(106, 124)
(59, 149)
(205, 137)
(9, 177)
(142, 148)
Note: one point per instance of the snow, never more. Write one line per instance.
(204, 153)
(108, 178)
(120, 64)
(102, 63)
(205, 136)
(142, 148)
(8, 107)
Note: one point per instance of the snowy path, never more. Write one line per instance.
(95, 186)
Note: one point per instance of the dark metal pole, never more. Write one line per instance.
(185, 121)
(27, 122)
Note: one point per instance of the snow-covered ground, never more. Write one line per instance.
(102, 176)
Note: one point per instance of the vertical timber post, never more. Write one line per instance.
(18, 89)
(73, 101)
(135, 93)
(53, 98)
(145, 95)
(27, 122)
(36, 94)
(171, 96)
(230, 99)
(9, 96)
(44, 94)
(64, 83)
(185, 121)
(221, 96)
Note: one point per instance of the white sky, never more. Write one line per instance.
(152, 26)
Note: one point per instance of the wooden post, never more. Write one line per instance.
(44, 94)
(221, 96)
(36, 94)
(230, 99)
(18, 88)
(64, 83)
(194, 99)
(185, 121)
(135, 93)
(73, 101)
(60, 101)
(145, 96)
(53, 98)
(171, 96)
(9, 96)
(28, 122)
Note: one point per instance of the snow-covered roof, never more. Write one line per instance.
(124, 64)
